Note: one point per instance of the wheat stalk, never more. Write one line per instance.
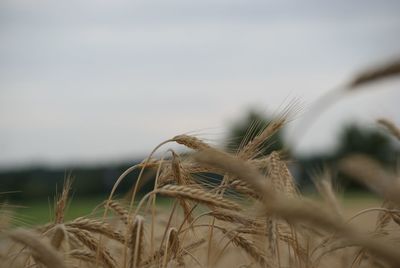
(136, 242)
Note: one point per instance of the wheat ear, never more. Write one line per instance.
(197, 195)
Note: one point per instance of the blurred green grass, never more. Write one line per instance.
(42, 211)
(365, 197)
(39, 212)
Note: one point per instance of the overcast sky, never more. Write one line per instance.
(87, 81)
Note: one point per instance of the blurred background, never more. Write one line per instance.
(91, 87)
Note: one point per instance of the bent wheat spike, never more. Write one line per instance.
(191, 142)
(393, 129)
(136, 242)
(387, 70)
(62, 202)
(252, 148)
(182, 179)
(197, 195)
(84, 255)
(249, 247)
(93, 244)
(230, 216)
(96, 226)
(119, 209)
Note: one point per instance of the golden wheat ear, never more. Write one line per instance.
(388, 70)
(384, 71)
(390, 126)
(191, 142)
(181, 178)
(62, 201)
(86, 238)
(198, 195)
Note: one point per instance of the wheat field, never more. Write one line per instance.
(253, 215)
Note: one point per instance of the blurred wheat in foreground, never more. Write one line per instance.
(237, 209)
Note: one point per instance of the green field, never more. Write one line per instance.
(42, 211)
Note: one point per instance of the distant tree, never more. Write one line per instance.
(356, 139)
(353, 139)
(245, 130)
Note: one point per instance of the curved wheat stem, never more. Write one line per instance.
(41, 250)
